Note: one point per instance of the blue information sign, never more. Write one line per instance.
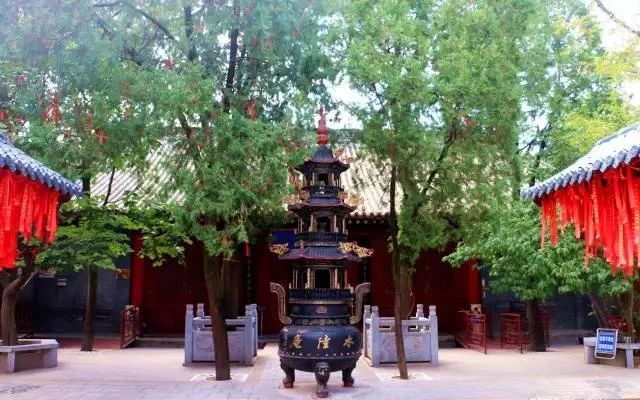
(606, 341)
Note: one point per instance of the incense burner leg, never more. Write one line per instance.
(347, 379)
(290, 376)
(322, 373)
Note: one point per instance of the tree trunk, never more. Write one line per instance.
(628, 314)
(214, 274)
(406, 304)
(536, 330)
(90, 309)
(231, 293)
(11, 287)
(8, 316)
(399, 280)
(600, 309)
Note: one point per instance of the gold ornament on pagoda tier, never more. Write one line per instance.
(339, 154)
(352, 200)
(346, 247)
(279, 249)
(300, 197)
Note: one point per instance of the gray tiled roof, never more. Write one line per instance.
(610, 152)
(362, 179)
(16, 160)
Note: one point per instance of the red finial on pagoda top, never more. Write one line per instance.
(322, 133)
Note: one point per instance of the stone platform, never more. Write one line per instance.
(158, 374)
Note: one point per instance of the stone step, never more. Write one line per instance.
(161, 342)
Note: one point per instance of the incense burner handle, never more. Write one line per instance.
(282, 307)
(359, 293)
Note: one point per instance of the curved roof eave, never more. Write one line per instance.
(609, 152)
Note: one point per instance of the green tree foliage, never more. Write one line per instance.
(70, 94)
(517, 264)
(89, 235)
(95, 235)
(581, 103)
(445, 103)
(228, 81)
(219, 83)
(445, 81)
(581, 100)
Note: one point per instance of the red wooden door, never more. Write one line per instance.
(168, 288)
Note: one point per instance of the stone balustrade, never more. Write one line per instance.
(420, 336)
(242, 336)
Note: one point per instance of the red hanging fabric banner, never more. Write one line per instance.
(545, 217)
(553, 222)
(27, 207)
(605, 212)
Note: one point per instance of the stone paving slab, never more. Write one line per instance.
(158, 374)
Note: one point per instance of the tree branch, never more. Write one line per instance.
(527, 146)
(188, 30)
(106, 198)
(443, 154)
(233, 55)
(153, 20)
(129, 52)
(615, 19)
(27, 271)
(383, 107)
(142, 12)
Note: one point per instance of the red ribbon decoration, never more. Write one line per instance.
(27, 207)
(605, 212)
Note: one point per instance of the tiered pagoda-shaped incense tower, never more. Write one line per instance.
(319, 336)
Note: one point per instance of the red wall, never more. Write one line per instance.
(162, 292)
(267, 268)
(435, 282)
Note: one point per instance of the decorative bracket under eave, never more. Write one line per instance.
(282, 308)
(359, 292)
(279, 249)
(346, 247)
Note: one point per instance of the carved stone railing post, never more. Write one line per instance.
(375, 334)
(254, 311)
(365, 329)
(248, 337)
(282, 307)
(188, 335)
(200, 312)
(359, 292)
(433, 319)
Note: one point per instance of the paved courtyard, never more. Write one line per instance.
(158, 374)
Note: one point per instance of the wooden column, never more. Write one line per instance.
(295, 278)
(333, 274)
(310, 280)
